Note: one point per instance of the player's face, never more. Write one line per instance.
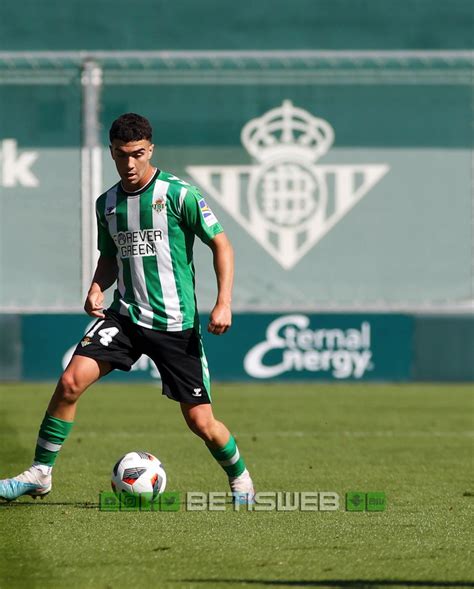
(133, 162)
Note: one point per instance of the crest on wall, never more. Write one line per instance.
(287, 201)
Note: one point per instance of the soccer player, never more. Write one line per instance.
(147, 223)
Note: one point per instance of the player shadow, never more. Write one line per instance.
(40, 503)
(336, 583)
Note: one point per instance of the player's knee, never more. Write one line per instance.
(202, 426)
(70, 388)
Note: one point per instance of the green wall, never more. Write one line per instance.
(247, 24)
(406, 244)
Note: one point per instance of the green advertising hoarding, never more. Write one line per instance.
(270, 347)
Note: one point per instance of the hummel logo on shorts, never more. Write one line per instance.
(197, 393)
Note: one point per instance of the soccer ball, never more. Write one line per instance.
(139, 472)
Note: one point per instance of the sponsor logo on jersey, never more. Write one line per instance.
(109, 211)
(286, 200)
(292, 346)
(207, 214)
(133, 244)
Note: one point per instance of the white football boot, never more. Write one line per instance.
(242, 489)
(34, 481)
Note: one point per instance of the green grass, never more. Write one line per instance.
(412, 441)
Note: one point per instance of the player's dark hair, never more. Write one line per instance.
(130, 127)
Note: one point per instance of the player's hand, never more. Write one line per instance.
(220, 319)
(94, 305)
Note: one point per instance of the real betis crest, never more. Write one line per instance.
(286, 200)
(158, 204)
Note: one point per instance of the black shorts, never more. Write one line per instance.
(178, 355)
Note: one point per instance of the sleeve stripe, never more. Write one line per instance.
(182, 196)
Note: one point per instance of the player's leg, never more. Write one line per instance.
(221, 443)
(201, 421)
(79, 375)
(55, 428)
(106, 346)
(182, 363)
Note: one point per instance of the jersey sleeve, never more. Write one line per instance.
(199, 218)
(105, 243)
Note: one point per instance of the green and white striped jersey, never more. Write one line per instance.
(151, 234)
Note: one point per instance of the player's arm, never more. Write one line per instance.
(104, 276)
(106, 271)
(198, 217)
(220, 318)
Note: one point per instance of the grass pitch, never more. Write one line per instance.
(412, 441)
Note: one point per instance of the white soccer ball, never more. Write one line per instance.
(139, 472)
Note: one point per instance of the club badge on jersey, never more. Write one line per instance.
(158, 205)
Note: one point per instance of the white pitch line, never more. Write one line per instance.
(292, 434)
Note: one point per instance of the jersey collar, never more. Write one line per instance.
(143, 188)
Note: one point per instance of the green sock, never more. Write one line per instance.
(52, 434)
(229, 458)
